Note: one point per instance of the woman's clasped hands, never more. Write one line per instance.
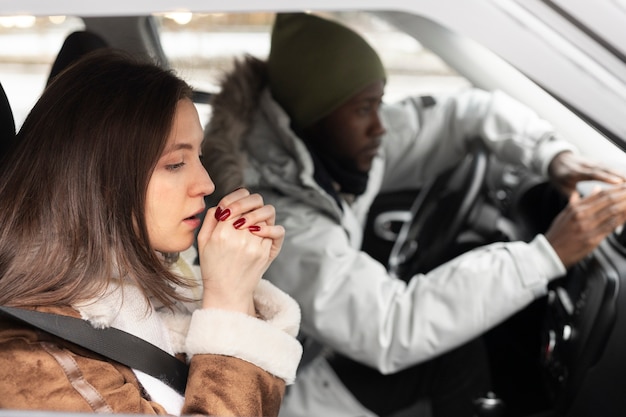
(236, 244)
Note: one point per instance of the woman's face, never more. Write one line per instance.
(178, 185)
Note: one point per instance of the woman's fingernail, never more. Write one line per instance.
(254, 228)
(218, 213)
(239, 222)
(224, 215)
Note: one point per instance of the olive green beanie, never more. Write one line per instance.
(315, 65)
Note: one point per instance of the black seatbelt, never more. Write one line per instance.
(113, 343)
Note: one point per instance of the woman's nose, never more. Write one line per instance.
(204, 184)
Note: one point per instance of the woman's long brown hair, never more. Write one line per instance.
(73, 186)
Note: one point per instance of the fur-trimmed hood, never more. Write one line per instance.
(232, 113)
(249, 142)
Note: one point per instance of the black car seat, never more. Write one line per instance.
(75, 46)
(80, 43)
(7, 122)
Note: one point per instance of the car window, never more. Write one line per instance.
(597, 27)
(200, 47)
(28, 47)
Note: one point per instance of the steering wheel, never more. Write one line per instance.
(437, 216)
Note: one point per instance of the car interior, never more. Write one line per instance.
(561, 356)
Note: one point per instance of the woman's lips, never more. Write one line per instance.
(193, 221)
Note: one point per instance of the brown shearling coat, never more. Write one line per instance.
(39, 371)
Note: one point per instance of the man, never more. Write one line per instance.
(308, 131)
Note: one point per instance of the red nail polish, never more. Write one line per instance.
(218, 213)
(239, 222)
(254, 228)
(224, 215)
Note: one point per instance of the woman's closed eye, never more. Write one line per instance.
(174, 167)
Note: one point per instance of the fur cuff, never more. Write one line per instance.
(277, 308)
(269, 344)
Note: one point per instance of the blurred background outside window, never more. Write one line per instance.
(201, 47)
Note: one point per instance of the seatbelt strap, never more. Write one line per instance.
(115, 344)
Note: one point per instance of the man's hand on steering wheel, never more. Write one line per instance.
(585, 222)
(568, 168)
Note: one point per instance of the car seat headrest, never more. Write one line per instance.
(75, 46)
(7, 122)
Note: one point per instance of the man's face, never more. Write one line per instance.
(351, 134)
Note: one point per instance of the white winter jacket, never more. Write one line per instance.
(349, 302)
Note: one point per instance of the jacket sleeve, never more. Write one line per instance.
(351, 304)
(227, 386)
(268, 341)
(426, 137)
(255, 357)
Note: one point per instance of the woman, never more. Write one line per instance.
(103, 187)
